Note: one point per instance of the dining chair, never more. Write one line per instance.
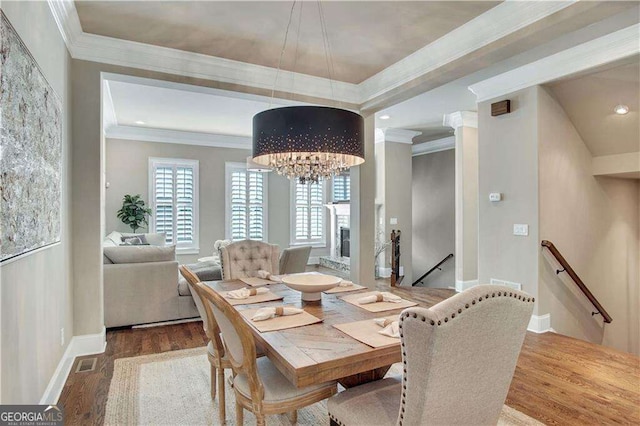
(258, 384)
(215, 348)
(243, 259)
(458, 359)
(294, 259)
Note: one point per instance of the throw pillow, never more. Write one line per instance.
(135, 240)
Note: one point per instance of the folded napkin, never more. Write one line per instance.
(280, 311)
(266, 275)
(345, 283)
(244, 293)
(380, 297)
(390, 327)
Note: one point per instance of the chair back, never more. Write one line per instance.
(459, 356)
(239, 342)
(243, 259)
(294, 259)
(208, 320)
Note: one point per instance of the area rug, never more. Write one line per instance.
(172, 388)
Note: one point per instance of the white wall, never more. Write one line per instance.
(433, 204)
(36, 291)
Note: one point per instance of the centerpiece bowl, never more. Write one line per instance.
(311, 285)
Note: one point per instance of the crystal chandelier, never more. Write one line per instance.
(308, 143)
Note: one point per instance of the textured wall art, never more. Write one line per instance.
(30, 151)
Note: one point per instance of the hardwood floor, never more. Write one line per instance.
(559, 380)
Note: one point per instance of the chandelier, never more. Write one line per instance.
(308, 143)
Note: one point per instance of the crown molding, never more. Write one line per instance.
(609, 48)
(461, 119)
(149, 134)
(496, 23)
(389, 134)
(430, 147)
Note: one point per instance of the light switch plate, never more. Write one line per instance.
(521, 230)
(495, 197)
(393, 221)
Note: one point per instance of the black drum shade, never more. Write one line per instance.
(308, 142)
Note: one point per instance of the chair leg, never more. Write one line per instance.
(293, 417)
(214, 373)
(239, 414)
(221, 396)
(260, 421)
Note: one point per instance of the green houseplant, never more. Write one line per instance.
(133, 211)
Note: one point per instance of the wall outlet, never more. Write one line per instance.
(393, 221)
(521, 229)
(62, 336)
(495, 197)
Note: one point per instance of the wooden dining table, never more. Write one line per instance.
(319, 352)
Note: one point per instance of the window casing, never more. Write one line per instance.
(173, 195)
(246, 203)
(308, 213)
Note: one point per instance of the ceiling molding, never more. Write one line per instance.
(396, 135)
(430, 147)
(617, 165)
(148, 134)
(496, 23)
(489, 27)
(461, 119)
(609, 48)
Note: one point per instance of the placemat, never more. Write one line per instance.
(367, 332)
(279, 323)
(258, 298)
(256, 282)
(377, 306)
(339, 289)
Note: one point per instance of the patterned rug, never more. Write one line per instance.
(172, 388)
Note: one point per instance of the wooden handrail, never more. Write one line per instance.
(569, 270)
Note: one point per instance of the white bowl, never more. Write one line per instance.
(311, 285)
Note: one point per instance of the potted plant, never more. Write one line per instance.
(133, 212)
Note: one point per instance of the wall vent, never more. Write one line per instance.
(515, 286)
(86, 365)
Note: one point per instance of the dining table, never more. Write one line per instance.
(319, 353)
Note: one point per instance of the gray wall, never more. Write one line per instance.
(127, 168)
(508, 163)
(434, 214)
(36, 291)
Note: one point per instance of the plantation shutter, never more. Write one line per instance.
(309, 212)
(247, 204)
(341, 188)
(174, 201)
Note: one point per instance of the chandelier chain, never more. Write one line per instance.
(327, 47)
(295, 54)
(284, 45)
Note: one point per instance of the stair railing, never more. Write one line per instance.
(419, 280)
(581, 285)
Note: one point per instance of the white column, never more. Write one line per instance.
(465, 125)
(395, 194)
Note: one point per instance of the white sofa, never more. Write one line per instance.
(141, 283)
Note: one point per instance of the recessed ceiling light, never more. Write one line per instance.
(384, 117)
(621, 109)
(140, 122)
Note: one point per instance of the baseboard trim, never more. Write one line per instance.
(540, 323)
(86, 344)
(465, 285)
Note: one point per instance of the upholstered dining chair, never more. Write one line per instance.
(243, 259)
(294, 259)
(458, 357)
(215, 349)
(258, 384)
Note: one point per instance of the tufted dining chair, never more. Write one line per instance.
(215, 349)
(258, 384)
(243, 259)
(459, 357)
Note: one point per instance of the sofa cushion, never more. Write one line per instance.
(154, 239)
(205, 271)
(140, 254)
(114, 237)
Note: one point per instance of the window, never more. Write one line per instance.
(341, 188)
(173, 187)
(308, 213)
(246, 195)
